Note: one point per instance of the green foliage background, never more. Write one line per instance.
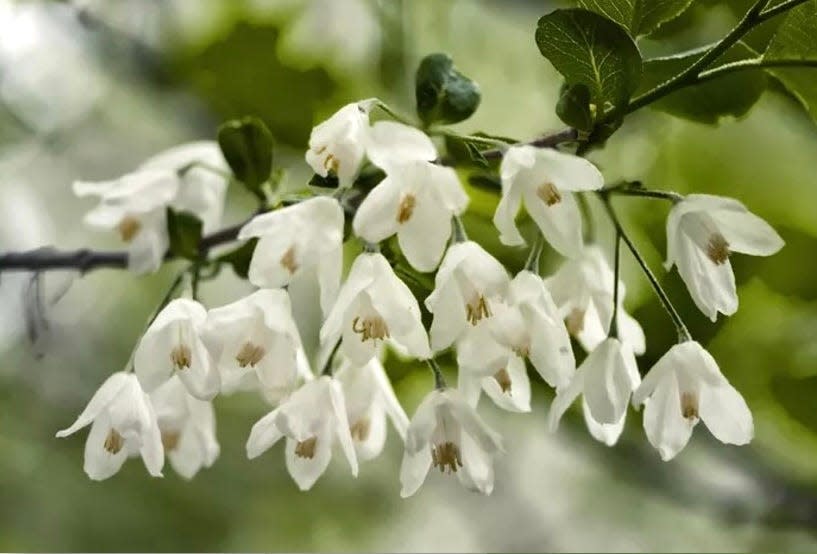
(219, 60)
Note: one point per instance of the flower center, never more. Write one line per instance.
(306, 449)
(360, 430)
(288, 260)
(373, 328)
(114, 442)
(477, 309)
(575, 321)
(331, 164)
(406, 208)
(503, 379)
(128, 228)
(522, 350)
(446, 456)
(549, 194)
(170, 440)
(717, 249)
(250, 354)
(181, 356)
(689, 405)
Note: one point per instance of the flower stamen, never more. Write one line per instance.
(181, 356)
(406, 208)
(446, 456)
(689, 405)
(549, 194)
(114, 442)
(128, 228)
(170, 440)
(360, 429)
(503, 379)
(250, 354)
(373, 328)
(288, 260)
(306, 449)
(477, 309)
(575, 321)
(717, 249)
(331, 164)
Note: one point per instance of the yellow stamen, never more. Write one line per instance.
(306, 449)
(446, 456)
(250, 354)
(360, 429)
(477, 309)
(689, 405)
(373, 328)
(503, 378)
(128, 228)
(717, 249)
(406, 208)
(114, 442)
(170, 440)
(549, 194)
(181, 356)
(288, 260)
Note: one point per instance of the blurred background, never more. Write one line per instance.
(90, 88)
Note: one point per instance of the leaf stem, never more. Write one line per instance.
(680, 327)
(780, 8)
(327, 367)
(393, 114)
(439, 378)
(635, 188)
(532, 264)
(458, 233)
(754, 63)
(616, 278)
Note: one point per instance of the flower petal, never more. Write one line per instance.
(263, 435)
(505, 217)
(726, 415)
(424, 236)
(377, 217)
(99, 401)
(666, 428)
(100, 464)
(517, 398)
(560, 223)
(747, 233)
(414, 469)
(563, 399)
(342, 424)
(607, 433)
(305, 471)
(390, 142)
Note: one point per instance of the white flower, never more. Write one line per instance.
(416, 201)
(686, 385)
(134, 205)
(172, 345)
(702, 231)
(582, 288)
(389, 143)
(256, 338)
(338, 145)
(311, 419)
(188, 428)
(467, 281)
(374, 305)
(447, 433)
(605, 380)
(369, 398)
(544, 179)
(303, 238)
(124, 424)
(202, 172)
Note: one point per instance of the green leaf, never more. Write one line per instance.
(444, 95)
(729, 95)
(240, 257)
(574, 107)
(184, 232)
(640, 17)
(796, 38)
(247, 146)
(589, 49)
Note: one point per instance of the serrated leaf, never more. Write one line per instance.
(240, 258)
(729, 95)
(574, 109)
(184, 232)
(796, 38)
(589, 49)
(639, 17)
(247, 146)
(443, 94)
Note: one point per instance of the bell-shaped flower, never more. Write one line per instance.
(188, 428)
(369, 399)
(203, 176)
(256, 336)
(311, 419)
(123, 424)
(389, 144)
(686, 385)
(468, 281)
(582, 289)
(303, 238)
(448, 434)
(373, 306)
(544, 180)
(605, 380)
(134, 205)
(338, 145)
(173, 345)
(416, 201)
(702, 232)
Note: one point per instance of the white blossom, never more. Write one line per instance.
(468, 281)
(173, 345)
(123, 424)
(373, 306)
(337, 146)
(311, 419)
(686, 385)
(702, 232)
(605, 380)
(544, 180)
(448, 434)
(255, 342)
(369, 399)
(304, 238)
(582, 289)
(188, 428)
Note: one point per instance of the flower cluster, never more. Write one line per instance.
(495, 322)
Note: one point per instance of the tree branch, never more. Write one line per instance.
(547, 141)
